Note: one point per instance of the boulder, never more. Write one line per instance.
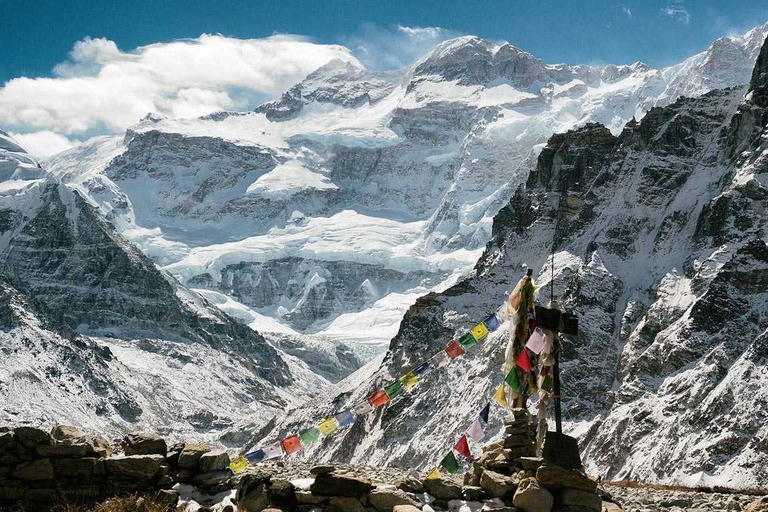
(9, 491)
(32, 437)
(519, 440)
(307, 498)
(497, 485)
(40, 469)
(442, 489)
(61, 451)
(532, 497)
(144, 443)
(75, 467)
(40, 495)
(335, 484)
(167, 497)
(520, 451)
(405, 508)
(252, 492)
(531, 463)
(7, 442)
(345, 504)
(579, 498)
(211, 478)
(134, 467)
(384, 500)
(321, 470)
(191, 454)
(472, 493)
(410, 483)
(517, 416)
(212, 461)
(282, 494)
(612, 507)
(555, 477)
(95, 445)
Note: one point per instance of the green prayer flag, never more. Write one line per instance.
(546, 384)
(513, 381)
(467, 341)
(449, 463)
(393, 389)
(309, 435)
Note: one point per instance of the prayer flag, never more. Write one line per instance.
(467, 341)
(439, 360)
(492, 323)
(309, 435)
(291, 444)
(502, 314)
(463, 447)
(393, 389)
(344, 418)
(379, 398)
(434, 474)
(328, 426)
(479, 331)
(546, 383)
(423, 369)
(449, 463)
(408, 380)
(238, 464)
(536, 342)
(255, 456)
(524, 360)
(484, 413)
(454, 350)
(362, 408)
(273, 450)
(476, 431)
(513, 381)
(500, 397)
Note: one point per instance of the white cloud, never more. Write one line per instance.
(101, 88)
(383, 48)
(677, 13)
(44, 143)
(627, 11)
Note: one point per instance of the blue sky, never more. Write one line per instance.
(60, 46)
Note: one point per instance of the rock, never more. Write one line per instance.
(211, 478)
(7, 442)
(335, 484)
(345, 504)
(282, 494)
(191, 454)
(442, 489)
(252, 492)
(555, 477)
(10, 492)
(135, 467)
(40, 495)
(515, 441)
(167, 497)
(760, 505)
(517, 416)
(578, 498)
(307, 498)
(384, 500)
(612, 507)
(61, 451)
(405, 508)
(500, 465)
(32, 437)
(75, 467)
(40, 469)
(95, 445)
(321, 470)
(496, 445)
(410, 483)
(496, 484)
(172, 457)
(531, 463)
(473, 493)
(212, 461)
(80, 493)
(520, 451)
(62, 432)
(144, 443)
(532, 497)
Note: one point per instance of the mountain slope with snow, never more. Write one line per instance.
(397, 174)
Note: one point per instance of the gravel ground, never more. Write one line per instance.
(646, 499)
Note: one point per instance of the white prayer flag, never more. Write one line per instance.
(536, 342)
(476, 431)
(362, 408)
(273, 450)
(502, 313)
(440, 359)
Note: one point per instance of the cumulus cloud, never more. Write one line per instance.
(101, 88)
(387, 48)
(627, 11)
(43, 144)
(677, 13)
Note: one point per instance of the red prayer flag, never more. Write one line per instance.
(454, 350)
(379, 398)
(292, 444)
(463, 447)
(523, 360)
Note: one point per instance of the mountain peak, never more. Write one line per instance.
(758, 85)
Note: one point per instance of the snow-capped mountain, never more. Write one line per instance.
(93, 333)
(661, 238)
(331, 209)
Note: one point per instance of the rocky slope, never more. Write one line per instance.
(92, 333)
(660, 236)
(373, 187)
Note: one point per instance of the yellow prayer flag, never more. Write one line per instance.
(434, 474)
(500, 397)
(479, 331)
(408, 380)
(328, 427)
(238, 464)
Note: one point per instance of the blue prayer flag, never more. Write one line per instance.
(423, 369)
(344, 418)
(256, 456)
(484, 412)
(492, 323)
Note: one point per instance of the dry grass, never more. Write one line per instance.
(751, 491)
(125, 504)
